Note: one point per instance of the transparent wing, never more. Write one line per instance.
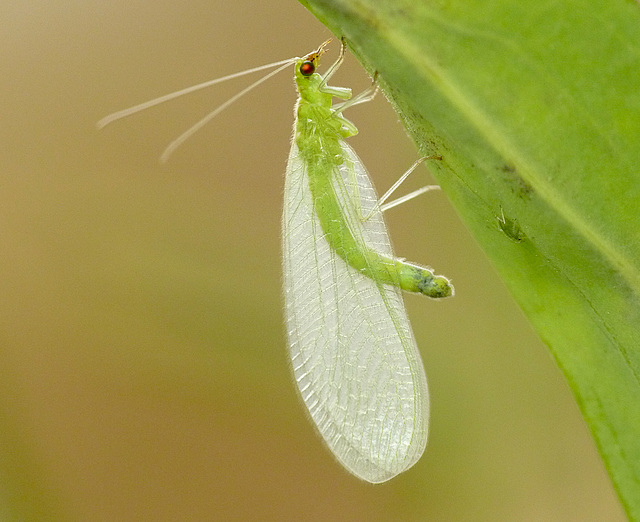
(352, 349)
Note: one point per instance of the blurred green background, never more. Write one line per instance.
(143, 366)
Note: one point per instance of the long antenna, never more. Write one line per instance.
(167, 97)
(281, 65)
(195, 128)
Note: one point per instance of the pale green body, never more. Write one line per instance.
(353, 353)
(320, 130)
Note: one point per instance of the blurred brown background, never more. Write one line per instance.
(143, 367)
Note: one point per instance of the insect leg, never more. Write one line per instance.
(336, 65)
(407, 197)
(381, 206)
(349, 129)
(364, 97)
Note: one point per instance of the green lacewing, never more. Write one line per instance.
(352, 350)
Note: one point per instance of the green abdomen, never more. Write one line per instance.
(323, 159)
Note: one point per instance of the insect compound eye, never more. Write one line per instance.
(307, 68)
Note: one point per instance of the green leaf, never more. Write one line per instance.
(535, 107)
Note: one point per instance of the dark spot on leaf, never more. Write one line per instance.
(518, 184)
